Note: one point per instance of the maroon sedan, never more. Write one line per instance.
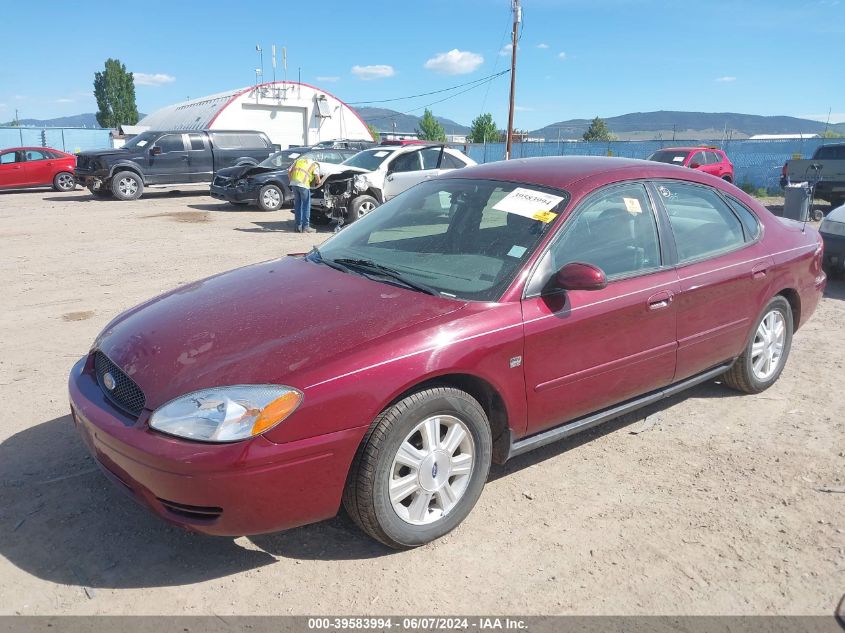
(36, 167)
(473, 318)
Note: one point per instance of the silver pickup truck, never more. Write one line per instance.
(827, 166)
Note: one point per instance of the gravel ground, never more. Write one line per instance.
(710, 503)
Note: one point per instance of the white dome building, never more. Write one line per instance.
(289, 112)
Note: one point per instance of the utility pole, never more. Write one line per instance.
(517, 18)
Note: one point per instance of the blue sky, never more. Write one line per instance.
(576, 58)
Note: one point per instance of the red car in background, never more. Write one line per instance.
(36, 167)
(707, 159)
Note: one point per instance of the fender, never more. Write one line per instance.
(127, 165)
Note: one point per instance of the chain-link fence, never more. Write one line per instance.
(67, 139)
(756, 163)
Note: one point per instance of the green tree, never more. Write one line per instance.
(483, 129)
(374, 132)
(430, 129)
(114, 89)
(832, 134)
(598, 131)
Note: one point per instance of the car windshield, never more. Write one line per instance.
(281, 159)
(142, 140)
(459, 238)
(669, 156)
(369, 159)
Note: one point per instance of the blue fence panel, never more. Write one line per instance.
(67, 139)
(757, 163)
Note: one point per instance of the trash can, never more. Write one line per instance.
(796, 201)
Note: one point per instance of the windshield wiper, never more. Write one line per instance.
(317, 257)
(368, 265)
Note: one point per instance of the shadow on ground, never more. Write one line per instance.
(835, 288)
(61, 520)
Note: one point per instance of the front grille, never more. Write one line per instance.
(194, 513)
(220, 181)
(82, 162)
(126, 394)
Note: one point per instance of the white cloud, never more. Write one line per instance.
(376, 71)
(542, 45)
(330, 79)
(153, 79)
(506, 50)
(64, 100)
(726, 80)
(561, 56)
(454, 62)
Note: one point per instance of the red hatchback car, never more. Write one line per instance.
(22, 167)
(707, 159)
(470, 319)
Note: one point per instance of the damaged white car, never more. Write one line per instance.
(371, 177)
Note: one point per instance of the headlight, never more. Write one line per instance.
(832, 227)
(360, 183)
(226, 414)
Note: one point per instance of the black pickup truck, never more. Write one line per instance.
(826, 168)
(173, 157)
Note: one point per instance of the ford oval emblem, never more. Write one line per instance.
(434, 471)
(108, 381)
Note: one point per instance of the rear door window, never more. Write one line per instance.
(702, 222)
(197, 142)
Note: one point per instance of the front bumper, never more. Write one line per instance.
(248, 487)
(232, 194)
(834, 251)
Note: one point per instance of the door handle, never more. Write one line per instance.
(759, 271)
(660, 300)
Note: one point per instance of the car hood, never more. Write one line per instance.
(97, 153)
(278, 322)
(242, 171)
(331, 169)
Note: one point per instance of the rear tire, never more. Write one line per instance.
(767, 350)
(127, 185)
(361, 206)
(64, 181)
(270, 198)
(420, 468)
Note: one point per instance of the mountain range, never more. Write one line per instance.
(663, 124)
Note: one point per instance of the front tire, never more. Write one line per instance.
(764, 358)
(64, 181)
(127, 185)
(420, 468)
(361, 206)
(270, 198)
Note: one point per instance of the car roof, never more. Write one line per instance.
(564, 172)
(692, 148)
(17, 149)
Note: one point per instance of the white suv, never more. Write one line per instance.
(361, 183)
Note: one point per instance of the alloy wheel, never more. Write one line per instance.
(271, 198)
(431, 470)
(767, 348)
(127, 186)
(65, 182)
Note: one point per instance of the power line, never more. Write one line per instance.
(433, 92)
(390, 116)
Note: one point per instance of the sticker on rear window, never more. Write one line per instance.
(633, 206)
(529, 203)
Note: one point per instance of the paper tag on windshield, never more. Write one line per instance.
(380, 154)
(678, 159)
(529, 203)
(633, 206)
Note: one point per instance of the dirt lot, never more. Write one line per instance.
(713, 502)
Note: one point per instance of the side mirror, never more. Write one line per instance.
(578, 276)
(694, 165)
(155, 151)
